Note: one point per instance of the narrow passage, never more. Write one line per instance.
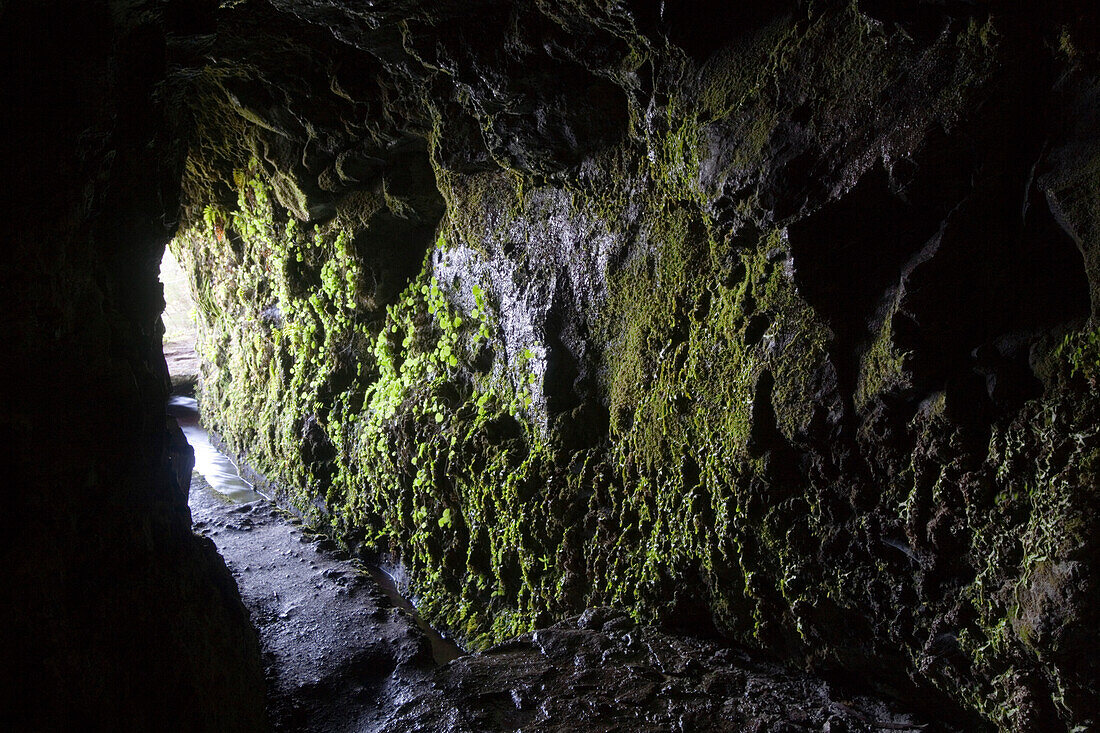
(339, 654)
(343, 652)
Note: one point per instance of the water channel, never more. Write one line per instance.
(224, 479)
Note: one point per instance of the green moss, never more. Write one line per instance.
(480, 207)
(290, 195)
(427, 481)
(1043, 475)
(681, 378)
(417, 467)
(881, 367)
(736, 74)
(1080, 352)
(437, 461)
(402, 420)
(1066, 45)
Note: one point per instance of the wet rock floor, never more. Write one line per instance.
(340, 656)
(336, 652)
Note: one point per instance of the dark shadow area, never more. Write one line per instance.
(113, 613)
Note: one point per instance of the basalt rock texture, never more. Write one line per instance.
(771, 320)
(340, 657)
(114, 616)
(601, 672)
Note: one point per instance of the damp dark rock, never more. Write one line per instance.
(774, 324)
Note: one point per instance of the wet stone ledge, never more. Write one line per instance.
(340, 656)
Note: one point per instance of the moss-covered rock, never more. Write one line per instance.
(779, 333)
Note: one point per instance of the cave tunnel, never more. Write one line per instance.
(561, 367)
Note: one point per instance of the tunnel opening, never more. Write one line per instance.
(180, 346)
(180, 339)
(353, 263)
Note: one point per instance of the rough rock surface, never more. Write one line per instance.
(339, 656)
(776, 319)
(113, 615)
(183, 366)
(601, 672)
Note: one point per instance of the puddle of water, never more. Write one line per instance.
(443, 649)
(215, 467)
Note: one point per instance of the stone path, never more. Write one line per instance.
(340, 656)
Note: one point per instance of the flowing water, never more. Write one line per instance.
(214, 465)
(225, 481)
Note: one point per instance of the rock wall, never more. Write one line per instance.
(113, 615)
(775, 321)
